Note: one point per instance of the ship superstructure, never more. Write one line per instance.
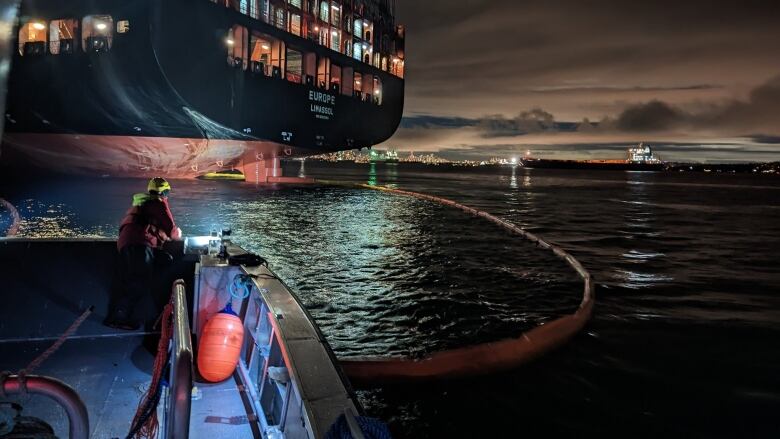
(641, 154)
(185, 87)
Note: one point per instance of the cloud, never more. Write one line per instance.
(575, 58)
(763, 138)
(760, 112)
(428, 121)
(741, 129)
(605, 88)
(533, 121)
(650, 116)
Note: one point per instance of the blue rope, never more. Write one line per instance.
(240, 281)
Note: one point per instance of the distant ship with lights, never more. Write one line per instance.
(640, 158)
(187, 87)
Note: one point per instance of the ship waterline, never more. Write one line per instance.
(136, 156)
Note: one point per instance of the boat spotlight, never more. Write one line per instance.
(38, 26)
(230, 41)
(101, 26)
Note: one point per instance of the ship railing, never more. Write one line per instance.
(177, 422)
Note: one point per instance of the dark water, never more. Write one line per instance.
(684, 340)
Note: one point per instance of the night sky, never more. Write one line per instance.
(699, 80)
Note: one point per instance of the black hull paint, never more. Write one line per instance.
(573, 164)
(168, 79)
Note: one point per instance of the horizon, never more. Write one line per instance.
(618, 151)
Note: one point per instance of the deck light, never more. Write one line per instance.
(365, 47)
(266, 47)
(38, 26)
(316, 28)
(376, 92)
(101, 26)
(334, 33)
(229, 41)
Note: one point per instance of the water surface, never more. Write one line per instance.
(684, 337)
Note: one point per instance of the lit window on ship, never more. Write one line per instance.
(347, 28)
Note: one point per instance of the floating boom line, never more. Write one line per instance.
(484, 358)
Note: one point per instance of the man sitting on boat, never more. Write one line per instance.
(146, 227)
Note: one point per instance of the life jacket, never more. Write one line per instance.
(135, 215)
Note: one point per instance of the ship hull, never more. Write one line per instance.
(164, 99)
(135, 156)
(600, 166)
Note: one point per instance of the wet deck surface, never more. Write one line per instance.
(110, 369)
(111, 374)
(219, 412)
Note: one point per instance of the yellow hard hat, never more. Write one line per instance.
(159, 184)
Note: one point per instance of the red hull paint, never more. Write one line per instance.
(134, 156)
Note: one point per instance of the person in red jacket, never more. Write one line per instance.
(146, 227)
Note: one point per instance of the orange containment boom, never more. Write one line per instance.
(487, 357)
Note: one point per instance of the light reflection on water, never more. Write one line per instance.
(381, 274)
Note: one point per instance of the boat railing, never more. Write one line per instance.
(63, 394)
(180, 395)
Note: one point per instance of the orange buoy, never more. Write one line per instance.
(220, 345)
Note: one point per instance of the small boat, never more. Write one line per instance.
(287, 383)
(227, 174)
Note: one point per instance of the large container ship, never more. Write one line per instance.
(639, 158)
(187, 87)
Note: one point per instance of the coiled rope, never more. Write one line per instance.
(487, 357)
(145, 423)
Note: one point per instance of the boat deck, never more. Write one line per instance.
(111, 373)
(46, 287)
(219, 412)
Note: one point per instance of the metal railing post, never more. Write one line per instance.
(181, 367)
